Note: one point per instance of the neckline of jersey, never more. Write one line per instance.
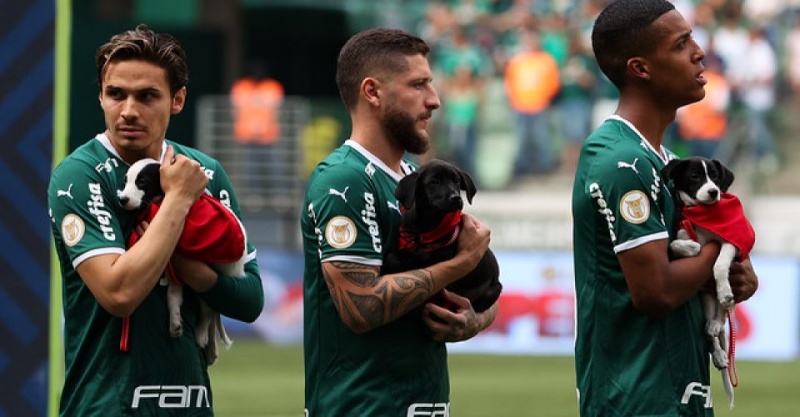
(106, 142)
(407, 169)
(660, 154)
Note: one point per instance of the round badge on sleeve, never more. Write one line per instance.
(72, 229)
(635, 207)
(340, 232)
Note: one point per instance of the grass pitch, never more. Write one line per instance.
(254, 379)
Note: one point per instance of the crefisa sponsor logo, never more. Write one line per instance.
(98, 210)
(597, 194)
(368, 216)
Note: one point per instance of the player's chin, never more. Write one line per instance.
(420, 144)
(694, 95)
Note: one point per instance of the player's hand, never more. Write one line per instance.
(743, 279)
(142, 227)
(454, 324)
(473, 241)
(198, 275)
(182, 177)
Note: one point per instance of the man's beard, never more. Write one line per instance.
(400, 128)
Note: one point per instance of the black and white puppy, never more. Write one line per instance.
(710, 213)
(431, 204)
(142, 187)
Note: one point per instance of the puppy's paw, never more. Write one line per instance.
(720, 358)
(725, 295)
(201, 337)
(714, 328)
(685, 248)
(176, 328)
(211, 355)
(210, 350)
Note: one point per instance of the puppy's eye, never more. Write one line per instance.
(141, 183)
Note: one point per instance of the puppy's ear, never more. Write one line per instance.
(671, 169)
(467, 184)
(406, 189)
(725, 175)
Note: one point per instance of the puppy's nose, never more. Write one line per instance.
(713, 193)
(123, 200)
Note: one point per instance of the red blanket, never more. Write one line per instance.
(211, 233)
(726, 219)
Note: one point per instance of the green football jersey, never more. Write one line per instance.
(627, 363)
(158, 375)
(350, 214)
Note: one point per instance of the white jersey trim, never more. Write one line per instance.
(354, 259)
(95, 252)
(405, 166)
(661, 153)
(106, 142)
(640, 241)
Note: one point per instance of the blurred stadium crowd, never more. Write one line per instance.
(537, 55)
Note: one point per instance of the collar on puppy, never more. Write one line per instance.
(450, 226)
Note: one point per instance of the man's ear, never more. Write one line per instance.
(639, 68)
(178, 101)
(370, 89)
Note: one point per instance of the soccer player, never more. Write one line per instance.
(142, 77)
(373, 344)
(640, 347)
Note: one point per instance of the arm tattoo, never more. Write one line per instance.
(371, 300)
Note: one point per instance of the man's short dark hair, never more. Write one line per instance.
(143, 44)
(621, 32)
(374, 53)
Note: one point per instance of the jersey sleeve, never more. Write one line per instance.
(624, 188)
(82, 209)
(341, 202)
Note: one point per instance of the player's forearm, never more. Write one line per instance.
(367, 300)
(677, 283)
(153, 250)
(687, 276)
(121, 284)
(240, 298)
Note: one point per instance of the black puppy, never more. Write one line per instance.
(431, 204)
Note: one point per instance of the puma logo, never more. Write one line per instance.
(393, 206)
(332, 191)
(632, 165)
(68, 193)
